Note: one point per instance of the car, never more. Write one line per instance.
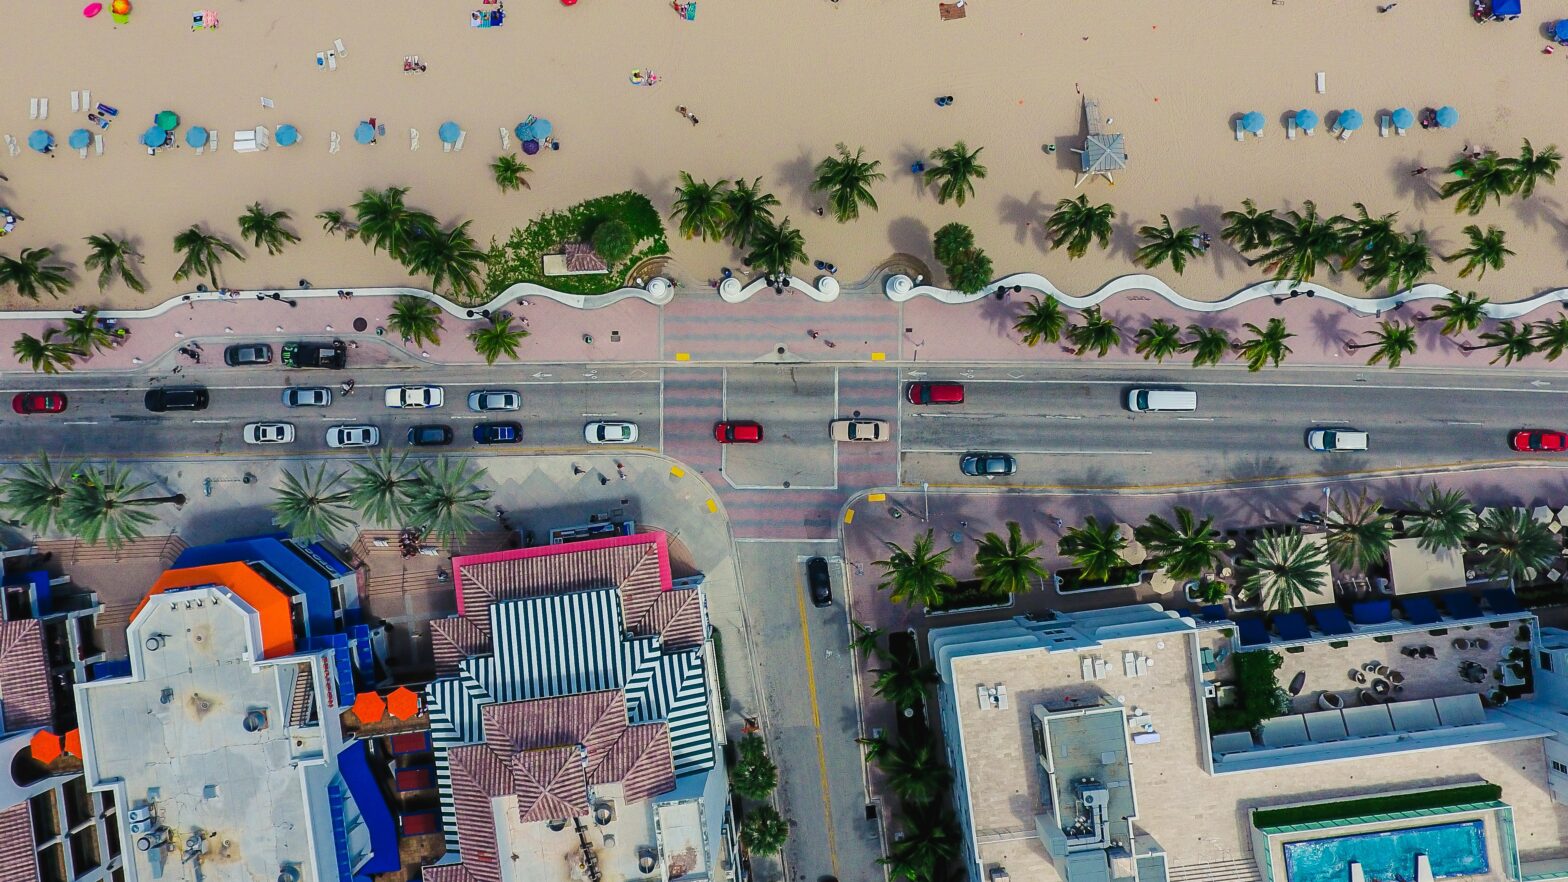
(167, 398)
(818, 582)
(307, 396)
(859, 430)
(242, 354)
(482, 400)
(737, 432)
(1539, 440)
(307, 354)
(935, 393)
(415, 397)
(498, 433)
(269, 433)
(38, 402)
(430, 436)
(610, 432)
(353, 436)
(988, 465)
(1336, 440)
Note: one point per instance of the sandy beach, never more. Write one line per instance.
(775, 86)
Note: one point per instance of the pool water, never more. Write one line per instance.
(1453, 849)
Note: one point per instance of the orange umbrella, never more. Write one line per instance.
(403, 703)
(46, 746)
(369, 707)
(73, 742)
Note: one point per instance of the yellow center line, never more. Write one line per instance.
(816, 722)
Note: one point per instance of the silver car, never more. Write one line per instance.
(307, 396)
(353, 436)
(269, 433)
(610, 432)
(415, 397)
(482, 400)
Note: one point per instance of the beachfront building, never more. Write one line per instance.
(1403, 735)
(575, 725)
(220, 739)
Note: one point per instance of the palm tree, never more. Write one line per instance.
(1359, 533)
(1514, 544)
(446, 499)
(1267, 345)
(1283, 569)
(1367, 239)
(508, 171)
(86, 335)
(1531, 167)
(1513, 342)
(36, 494)
(1551, 337)
(449, 257)
(750, 210)
(955, 169)
(1401, 264)
(1008, 566)
(1097, 332)
(847, 180)
(203, 254)
(904, 683)
(1075, 223)
(1250, 229)
(865, 641)
(763, 830)
(701, 207)
(264, 227)
(497, 338)
(334, 221)
(386, 222)
(1041, 320)
(1208, 345)
(43, 354)
(1095, 548)
(415, 319)
(312, 506)
(913, 767)
(112, 257)
(1304, 241)
(102, 504)
(1164, 243)
(1486, 251)
(1391, 342)
(929, 841)
(1441, 520)
(775, 249)
(1186, 549)
(1160, 340)
(1459, 314)
(918, 576)
(379, 488)
(32, 275)
(1477, 180)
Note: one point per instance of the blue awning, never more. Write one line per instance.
(281, 560)
(1461, 605)
(1419, 610)
(1215, 613)
(1331, 621)
(372, 807)
(1291, 626)
(1372, 612)
(1252, 632)
(1502, 601)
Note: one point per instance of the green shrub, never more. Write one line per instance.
(755, 775)
(1258, 696)
(970, 271)
(1376, 805)
(613, 240)
(951, 241)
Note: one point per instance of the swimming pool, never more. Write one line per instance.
(1454, 850)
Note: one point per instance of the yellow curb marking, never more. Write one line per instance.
(677, 471)
(713, 507)
(876, 497)
(849, 516)
(879, 356)
(816, 721)
(683, 356)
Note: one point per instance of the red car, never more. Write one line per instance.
(1541, 440)
(38, 402)
(935, 393)
(737, 432)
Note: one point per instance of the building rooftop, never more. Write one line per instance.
(26, 699)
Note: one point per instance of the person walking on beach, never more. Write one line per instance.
(681, 109)
(1419, 171)
(1383, 9)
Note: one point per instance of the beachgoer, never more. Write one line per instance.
(820, 212)
(681, 109)
(694, 119)
(813, 334)
(1418, 171)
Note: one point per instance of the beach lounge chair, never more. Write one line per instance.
(506, 140)
(97, 143)
(1240, 134)
(76, 102)
(446, 147)
(32, 109)
(413, 139)
(87, 99)
(43, 108)
(1423, 868)
(332, 61)
(1290, 129)
(461, 137)
(1322, 82)
(82, 152)
(321, 61)
(338, 45)
(334, 143)
(1382, 126)
(1357, 872)
(11, 145)
(212, 139)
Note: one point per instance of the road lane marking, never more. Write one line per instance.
(816, 719)
(1195, 419)
(1079, 452)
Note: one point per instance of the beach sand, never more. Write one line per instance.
(776, 85)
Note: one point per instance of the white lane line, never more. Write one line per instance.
(80, 423)
(1195, 419)
(212, 422)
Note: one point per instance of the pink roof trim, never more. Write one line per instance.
(657, 539)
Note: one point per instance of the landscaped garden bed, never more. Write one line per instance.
(1322, 812)
(521, 257)
(1071, 579)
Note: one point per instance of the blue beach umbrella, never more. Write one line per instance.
(449, 132)
(1560, 30)
(40, 140)
(287, 136)
(196, 136)
(154, 137)
(1307, 119)
(364, 133)
(1447, 117)
(1349, 120)
(1403, 118)
(1253, 122)
(542, 128)
(79, 139)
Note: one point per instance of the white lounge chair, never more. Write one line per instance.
(338, 45)
(212, 140)
(1240, 134)
(98, 144)
(43, 108)
(446, 147)
(332, 60)
(334, 143)
(461, 137)
(32, 109)
(506, 140)
(11, 146)
(1424, 868)
(1290, 129)
(87, 101)
(1382, 126)
(76, 101)
(321, 61)
(413, 139)
(1322, 82)
(1357, 872)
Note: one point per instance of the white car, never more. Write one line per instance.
(859, 430)
(610, 432)
(269, 433)
(353, 436)
(482, 400)
(415, 397)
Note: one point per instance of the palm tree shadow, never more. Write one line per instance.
(1000, 314)
(909, 155)
(1256, 468)
(1208, 220)
(1023, 216)
(910, 235)
(661, 191)
(1539, 209)
(1419, 189)
(797, 175)
(1329, 329)
(1124, 238)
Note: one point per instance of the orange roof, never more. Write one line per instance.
(369, 707)
(403, 703)
(73, 742)
(277, 623)
(45, 746)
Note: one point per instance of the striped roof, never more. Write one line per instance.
(18, 860)
(25, 698)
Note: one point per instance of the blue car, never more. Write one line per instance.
(498, 433)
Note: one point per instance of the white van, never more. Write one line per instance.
(1149, 400)
(1335, 440)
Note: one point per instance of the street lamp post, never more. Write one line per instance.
(925, 493)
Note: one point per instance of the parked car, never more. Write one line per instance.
(38, 402)
(1539, 441)
(494, 399)
(242, 354)
(1334, 440)
(269, 433)
(308, 354)
(166, 398)
(737, 432)
(935, 393)
(498, 433)
(818, 582)
(988, 465)
(860, 430)
(415, 397)
(610, 432)
(1155, 400)
(430, 436)
(353, 436)
(307, 396)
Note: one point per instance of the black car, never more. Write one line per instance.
(498, 433)
(308, 354)
(176, 398)
(430, 436)
(818, 582)
(243, 354)
(988, 465)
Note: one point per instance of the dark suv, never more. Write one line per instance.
(306, 354)
(430, 436)
(176, 398)
(818, 582)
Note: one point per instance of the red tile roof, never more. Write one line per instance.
(581, 258)
(18, 861)
(24, 676)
